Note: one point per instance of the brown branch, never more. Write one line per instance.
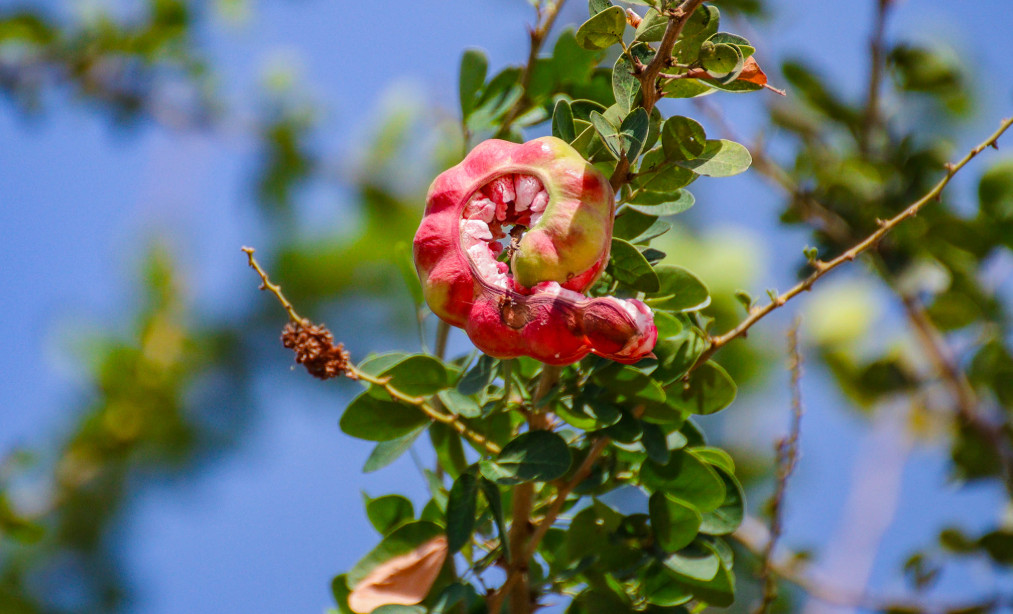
(787, 459)
(523, 501)
(824, 267)
(648, 78)
(514, 576)
(349, 370)
(753, 535)
(538, 34)
(877, 49)
(925, 332)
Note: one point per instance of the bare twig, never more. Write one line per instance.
(514, 576)
(352, 372)
(538, 34)
(754, 536)
(926, 333)
(787, 458)
(648, 78)
(873, 119)
(824, 267)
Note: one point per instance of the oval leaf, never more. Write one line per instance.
(603, 30)
(373, 419)
(533, 456)
(720, 158)
(629, 266)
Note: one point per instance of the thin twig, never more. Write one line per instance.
(873, 119)
(523, 502)
(824, 267)
(354, 373)
(678, 17)
(925, 331)
(538, 34)
(754, 536)
(787, 459)
(593, 454)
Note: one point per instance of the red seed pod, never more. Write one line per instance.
(522, 293)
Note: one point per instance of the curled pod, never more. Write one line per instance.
(520, 291)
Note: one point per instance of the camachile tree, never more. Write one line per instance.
(591, 356)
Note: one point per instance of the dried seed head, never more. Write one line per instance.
(315, 349)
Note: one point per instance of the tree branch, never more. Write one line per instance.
(538, 36)
(787, 458)
(354, 373)
(822, 268)
(753, 535)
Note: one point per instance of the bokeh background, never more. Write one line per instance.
(147, 411)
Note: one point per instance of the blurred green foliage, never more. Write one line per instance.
(852, 164)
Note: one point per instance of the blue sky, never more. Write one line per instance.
(265, 528)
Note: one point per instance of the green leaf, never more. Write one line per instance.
(630, 385)
(668, 203)
(388, 512)
(373, 419)
(656, 174)
(719, 591)
(589, 414)
(687, 88)
(533, 456)
(734, 39)
(461, 505)
(603, 29)
(700, 563)
(716, 457)
(582, 109)
(720, 158)
(376, 364)
(668, 325)
(709, 390)
(722, 61)
(677, 355)
(386, 452)
(652, 27)
(608, 132)
(340, 591)
(404, 539)
(728, 516)
(682, 138)
(634, 132)
(656, 229)
(590, 144)
(675, 523)
(663, 588)
(596, 6)
(629, 266)
(625, 85)
(654, 442)
(495, 501)
(562, 122)
(627, 430)
(630, 224)
(460, 404)
(449, 451)
(418, 375)
(679, 290)
(480, 376)
(472, 77)
(686, 478)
